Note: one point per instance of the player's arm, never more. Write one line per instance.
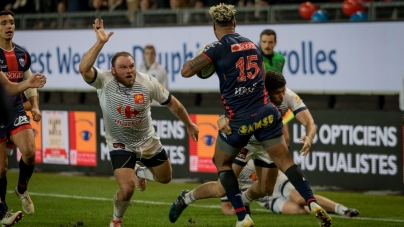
(31, 95)
(224, 125)
(305, 118)
(86, 64)
(195, 65)
(286, 134)
(181, 113)
(35, 81)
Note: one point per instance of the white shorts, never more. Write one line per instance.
(255, 152)
(147, 150)
(276, 204)
(282, 186)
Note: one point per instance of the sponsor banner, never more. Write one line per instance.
(83, 139)
(36, 128)
(326, 63)
(352, 149)
(55, 137)
(201, 152)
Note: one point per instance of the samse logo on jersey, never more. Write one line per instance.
(139, 98)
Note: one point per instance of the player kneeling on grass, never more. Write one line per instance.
(285, 199)
(125, 97)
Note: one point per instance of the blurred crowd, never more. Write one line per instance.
(60, 7)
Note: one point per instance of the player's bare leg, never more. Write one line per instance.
(25, 141)
(283, 160)
(125, 177)
(263, 186)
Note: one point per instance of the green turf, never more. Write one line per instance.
(71, 200)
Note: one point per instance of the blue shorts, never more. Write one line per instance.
(19, 121)
(264, 123)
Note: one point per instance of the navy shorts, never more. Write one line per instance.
(264, 123)
(18, 122)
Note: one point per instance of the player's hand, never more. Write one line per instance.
(193, 131)
(306, 146)
(98, 27)
(36, 80)
(224, 126)
(36, 114)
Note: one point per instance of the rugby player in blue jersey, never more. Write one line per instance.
(239, 66)
(15, 62)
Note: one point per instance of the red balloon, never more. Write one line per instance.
(349, 7)
(307, 9)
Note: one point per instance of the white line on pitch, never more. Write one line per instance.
(195, 205)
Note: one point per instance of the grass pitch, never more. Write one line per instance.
(67, 201)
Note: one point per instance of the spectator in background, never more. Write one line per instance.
(180, 4)
(100, 5)
(75, 6)
(6, 4)
(114, 5)
(152, 67)
(22, 6)
(45, 6)
(147, 4)
(162, 4)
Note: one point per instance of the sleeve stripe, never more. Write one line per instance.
(299, 110)
(95, 76)
(168, 100)
(207, 56)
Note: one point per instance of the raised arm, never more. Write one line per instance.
(181, 113)
(86, 64)
(305, 118)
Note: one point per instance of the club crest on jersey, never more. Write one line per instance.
(139, 98)
(22, 62)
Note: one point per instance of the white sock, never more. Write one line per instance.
(119, 208)
(339, 209)
(144, 172)
(246, 199)
(189, 197)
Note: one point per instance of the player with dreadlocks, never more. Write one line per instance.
(239, 66)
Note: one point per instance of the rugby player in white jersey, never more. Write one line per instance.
(266, 170)
(285, 199)
(125, 96)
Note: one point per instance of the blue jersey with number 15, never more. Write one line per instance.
(238, 63)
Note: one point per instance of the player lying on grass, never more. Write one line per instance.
(285, 199)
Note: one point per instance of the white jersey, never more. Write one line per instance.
(126, 111)
(157, 71)
(291, 101)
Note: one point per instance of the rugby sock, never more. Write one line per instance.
(3, 189)
(144, 172)
(119, 208)
(189, 197)
(25, 174)
(245, 198)
(340, 209)
(3, 210)
(233, 193)
(296, 177)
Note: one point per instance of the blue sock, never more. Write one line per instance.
(235, 199)
(25, 174)
(296, 177)
(230, 185)
(3, 189)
